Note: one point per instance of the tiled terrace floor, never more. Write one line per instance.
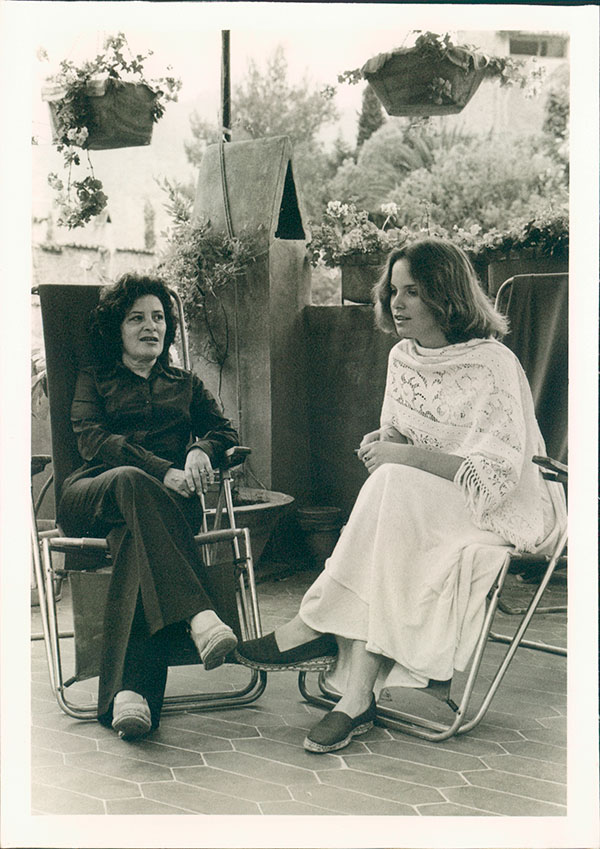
(251, 761)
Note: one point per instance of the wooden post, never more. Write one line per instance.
(225, 86)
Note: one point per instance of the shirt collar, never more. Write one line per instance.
(157, 369)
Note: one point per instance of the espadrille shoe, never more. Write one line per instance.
(214, 644)
(131, 715)
(337, 729)
(264, 653)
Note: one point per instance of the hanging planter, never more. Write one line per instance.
(101, 104)
(360, 272)
(410, 83)
(117, 114)
(435, 77)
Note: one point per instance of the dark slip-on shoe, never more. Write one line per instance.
(264, 653)
(337, 729)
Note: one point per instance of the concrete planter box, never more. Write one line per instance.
(526, 263)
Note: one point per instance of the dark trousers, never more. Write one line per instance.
(158, 576)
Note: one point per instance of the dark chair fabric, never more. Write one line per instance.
(65, 317)
(537, 306)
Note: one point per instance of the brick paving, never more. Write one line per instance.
(251, 760)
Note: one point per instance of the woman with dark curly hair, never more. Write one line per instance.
(451, 488)
(148, 433)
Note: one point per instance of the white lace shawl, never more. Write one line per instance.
(473, 400)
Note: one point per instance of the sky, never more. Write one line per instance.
(321, 39)
(312, 53)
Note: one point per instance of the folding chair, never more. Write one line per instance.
(537, 307)
(227, 551)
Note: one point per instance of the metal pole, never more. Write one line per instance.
(225, 86)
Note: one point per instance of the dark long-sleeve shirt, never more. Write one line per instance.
(122, 419)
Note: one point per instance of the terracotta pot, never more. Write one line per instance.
(120, 113)
(403, 80)
(321, 527)
(359, 274)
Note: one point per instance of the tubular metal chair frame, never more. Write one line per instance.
(426, 729)
(45, 544)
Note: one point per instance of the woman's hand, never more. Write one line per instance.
(390, 434)
(198, 470)
(375, 454)
(175, 479)
(373, 436)
(387, 433)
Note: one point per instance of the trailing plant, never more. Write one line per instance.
(433, 48)
(544, 234)
(201, 263)
(80, 200)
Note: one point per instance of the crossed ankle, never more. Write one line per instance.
(203, 621)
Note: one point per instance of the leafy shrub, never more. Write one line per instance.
(481, 182)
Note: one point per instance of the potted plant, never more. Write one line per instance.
(348, 238)
(434, 77)
(103, 103)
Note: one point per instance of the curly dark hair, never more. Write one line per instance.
(448, 284)
(114, 304)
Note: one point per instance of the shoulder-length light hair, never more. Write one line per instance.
(448, 285)
(114, 304)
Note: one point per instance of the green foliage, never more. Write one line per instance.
(384, 160)
(149, 226)
(346, 231)
(433, 48)
(266, 103)
(80, 200)
(200, 263)
(481, 184)
(204, 133)
(546, 234)
(326, 286)
(556, 117)
(371, 116)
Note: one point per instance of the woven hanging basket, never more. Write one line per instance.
(119, 114)
(360, 272)
(409, 83)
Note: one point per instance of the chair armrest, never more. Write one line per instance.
(235, 456)
(39, 463)
(555, 471)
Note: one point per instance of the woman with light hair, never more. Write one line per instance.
(451, 487)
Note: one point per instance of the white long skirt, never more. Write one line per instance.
(409, 576)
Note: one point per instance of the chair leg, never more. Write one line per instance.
(427, 729)
(243, 695)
